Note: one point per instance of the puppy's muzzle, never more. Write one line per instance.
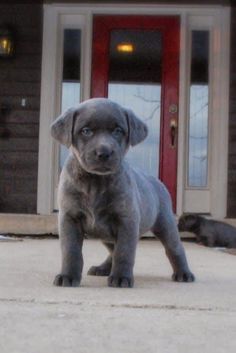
(102, 159)
(103, 153)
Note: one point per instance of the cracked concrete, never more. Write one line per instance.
(157, 315)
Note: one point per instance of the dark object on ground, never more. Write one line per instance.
(208, 231)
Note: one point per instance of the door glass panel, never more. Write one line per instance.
(71, 76)
(198, 114)
(135, 82)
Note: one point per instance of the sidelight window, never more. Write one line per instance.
(70, 86)
(198, 122)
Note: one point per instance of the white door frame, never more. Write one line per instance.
(214, 18)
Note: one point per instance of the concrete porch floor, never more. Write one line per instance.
(157, 315)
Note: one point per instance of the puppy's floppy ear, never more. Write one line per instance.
(192, 221)
(194, 218)
(138, 130)
(62, 127)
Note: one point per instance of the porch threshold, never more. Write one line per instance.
(28, 224)
(35, 224)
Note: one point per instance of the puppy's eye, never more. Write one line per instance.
(118, 131)
(86, 131)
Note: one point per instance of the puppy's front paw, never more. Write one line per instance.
(186, 276)
(122, 282)
(66, 281)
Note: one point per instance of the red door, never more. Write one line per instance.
(135, 61)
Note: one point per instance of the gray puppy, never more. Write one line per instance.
(101, 196)
(208, 232)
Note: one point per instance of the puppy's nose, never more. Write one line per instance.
(103, 153)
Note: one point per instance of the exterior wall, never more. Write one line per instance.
(20, 79)
(232, 123)
(19, 127)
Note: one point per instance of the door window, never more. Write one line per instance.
(135, 82)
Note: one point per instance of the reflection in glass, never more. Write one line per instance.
(135, 82)
(198, 114)
(71, 76)
(144, 100)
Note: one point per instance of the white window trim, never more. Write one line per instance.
(213, 199)
(54, 18)
(68, 21)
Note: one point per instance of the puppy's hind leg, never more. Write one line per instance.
(168, 234)
(166, 230)
(105, 268)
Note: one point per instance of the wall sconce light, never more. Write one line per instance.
(6, 42)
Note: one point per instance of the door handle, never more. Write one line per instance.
(173, 132)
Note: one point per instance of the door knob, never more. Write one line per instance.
(173, 132)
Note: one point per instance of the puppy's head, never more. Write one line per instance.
(99, 133)
(189, 223)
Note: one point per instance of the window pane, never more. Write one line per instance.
(135, 82)
(198, 114)
(71, 76)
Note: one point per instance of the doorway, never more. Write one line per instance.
(187, 41)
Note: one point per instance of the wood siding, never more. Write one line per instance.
(20, 78)
(231, 211)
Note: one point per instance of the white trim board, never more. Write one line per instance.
(28, 224)
(217, 18)
(213, 199)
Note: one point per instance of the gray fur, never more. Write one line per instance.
(208, 231)
(101, 196)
